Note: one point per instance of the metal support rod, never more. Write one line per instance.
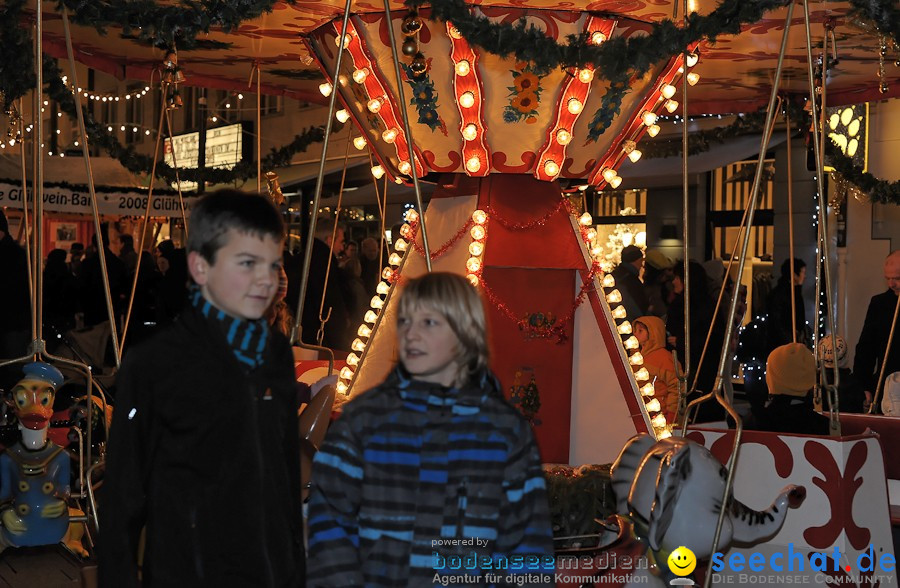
(729, 327)
(38, 179)
(790, 197)
(320, 179)
(685, 209)
(28, 243)
(259, 129)
(101, 246)
(407, 130)
(873, 409)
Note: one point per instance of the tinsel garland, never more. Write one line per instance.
(440, 251)
(881, 191)
(533, 224)
(142, 164)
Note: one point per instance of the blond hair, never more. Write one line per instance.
(458, 301)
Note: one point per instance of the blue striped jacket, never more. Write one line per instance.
(416, 482)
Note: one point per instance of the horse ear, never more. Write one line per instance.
(673, 471)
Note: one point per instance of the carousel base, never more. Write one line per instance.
(49, 566)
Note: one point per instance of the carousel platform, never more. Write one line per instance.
(45, 567)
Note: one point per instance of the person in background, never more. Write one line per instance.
(650, 332)
(15, 303)
(434, 452)
(204, 452)
(851, 397)
(628, 281)
(60, 295)
(778, 324)
(93, 291)
(791, 375)
(371, 272)
(658, 276)
(873, 340)
(127, 253)
(76, 256)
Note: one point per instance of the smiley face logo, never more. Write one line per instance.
(682, 561)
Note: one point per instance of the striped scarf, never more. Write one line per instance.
(247, 339)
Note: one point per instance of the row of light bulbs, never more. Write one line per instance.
(629, 341)
(137, 94)
(478, 232)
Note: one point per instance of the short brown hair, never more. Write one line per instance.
(214, 215)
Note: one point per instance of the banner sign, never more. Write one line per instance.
(76, 200)
(224, 149)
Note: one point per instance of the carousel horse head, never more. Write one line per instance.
(672, 491)
(32, 396)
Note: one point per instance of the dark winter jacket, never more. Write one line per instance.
(873, 341)
(413, 474)
(15, 300)
(205, 454)
(629, 284)
(789, 414)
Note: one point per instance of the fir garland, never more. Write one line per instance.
(881, 191)
(884, 13)
(16, 56)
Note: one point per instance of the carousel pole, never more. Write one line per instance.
(28, 244)
(37, 343)
(259, 129)
(320, 179)
(685, 211)
(823, 207)
(407, 130)
(729, 326)
(790, 199)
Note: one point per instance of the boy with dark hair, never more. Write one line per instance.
(204, 446)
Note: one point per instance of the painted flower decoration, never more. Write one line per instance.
(425, 99)
(610, 106)
(524, 95)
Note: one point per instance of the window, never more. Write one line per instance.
(134, 113)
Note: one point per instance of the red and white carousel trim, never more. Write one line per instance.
(468, 92)
(475, 263)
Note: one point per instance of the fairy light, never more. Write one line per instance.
(671, 105)
(693, 78)
(642, 374)
(357, 345)
(383, 288)
(389, 135)
(394, 259)
(653, 405)
(648, 117)
(325, 89)
(653, 130)
(647, 389)
(598, 38)
(371, 316)
(473, 164)
(624, 328)
(608, 281)
(552, 168)
(659, 422)
(636, 358)
(374, 105)
(360, 143)
(619, 312)
(574, 105)
(668, 90)
(563, 136)
(614, 297)
(342, 115)
(632, 343)
(378, 172)
(474, 265)
(692, 59)
(467, 100)
(404, 167)
(463, 68)
(352, 359)
(615, 182)
(586, 75)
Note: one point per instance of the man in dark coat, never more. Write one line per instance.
(628, 282)
(875, 332)
(778, 324)
(15, 303)
(93, 293)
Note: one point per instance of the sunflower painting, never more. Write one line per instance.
(524, 95)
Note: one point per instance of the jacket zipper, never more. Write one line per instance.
(461, 499)
(270, 576)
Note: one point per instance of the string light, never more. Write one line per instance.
(668, 91)
(325, 89)
(360, 143)
(470, 132)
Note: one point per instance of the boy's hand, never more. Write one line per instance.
(54, 509)
(331, 380)
(12, 522)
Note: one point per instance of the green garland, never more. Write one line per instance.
(881, 191)
(16, 56)
(884, 13)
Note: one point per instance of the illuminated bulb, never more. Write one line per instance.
(463, 68)
(635, 155)
(377, 303)
(608, 281)
(346, 373)
(478, 232)
(378, 172)
(411, 216)
(467, 100)
(632, 343)
(404, 167)
(624, 328)
(476, 249)
(389, 135)
(671, 105)
(692, 59)
(653, 405)
(590, 234)
(693, 78)
(360, 75)
(406, 230)
(470, 132)
(337, 41)
(619, 312)
(473, 265)
(668, 91)
(636, 358)
(586, 75)
(394, 259)
(357, 345)
(401, 245)
(454, 32)
(615, 182)
(597, 38)
(642, 374)
(664, 434)
(374, 105)
(360, 143)
(383, 288)
(122, 128)
(353, 359)
(648, 389)
(659, 421)
(648, 117)
(653, 130)
(371, 316)
(596, 251)
(473, 164)
(586, 219)
(364, 330)
(608, 174)
(342, 115)
(574, 105)
(342, 387)
(614, 297)
(325, 88)
(473, 279)
(551, 168)
(479, 216)
(563, 136)
(342, 80)
(387, 273)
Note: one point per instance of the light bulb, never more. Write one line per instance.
(364, 330)
(692, 59)
(454, 32)
(473, 265)
(596, 250)
(478, 232)
(479, 217)
(668, 91)
(663, 434)
(648, 117)
(476, 248)
(401, 245)
(352, 359)
(608, 174)
(619, 312)
(406, 230)
(374, 105)
(342, 387)
(360, 143)
(467, 100)
(394, 259)
(470, 132)
(653, 405)
(463, 68)
(615, 182)
(586, 219)
(360, 75)
(653, 130)
(597, 37)
(671, 105)
(346, 373)
(473, 279)
(473, 164)
(590, 234)
(377, 303)
(563, 136)
(632, 343)
(642, 374)
(389, 135)
(614, 297)
(659, 421)
(357, 345)
(608, 281)
(383, 288)
(624, 328)
(342, 115)
(648, 389)
(586, 75)
(635, 155)
(371, 316)
(404, 167)
(325, 88)
(551, 168)
(411, 216)
(574, 105)
(337, 41)
(693, 78)
(636, 358)
(378, 172)
(387, 273)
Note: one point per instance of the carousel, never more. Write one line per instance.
(512, 115)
